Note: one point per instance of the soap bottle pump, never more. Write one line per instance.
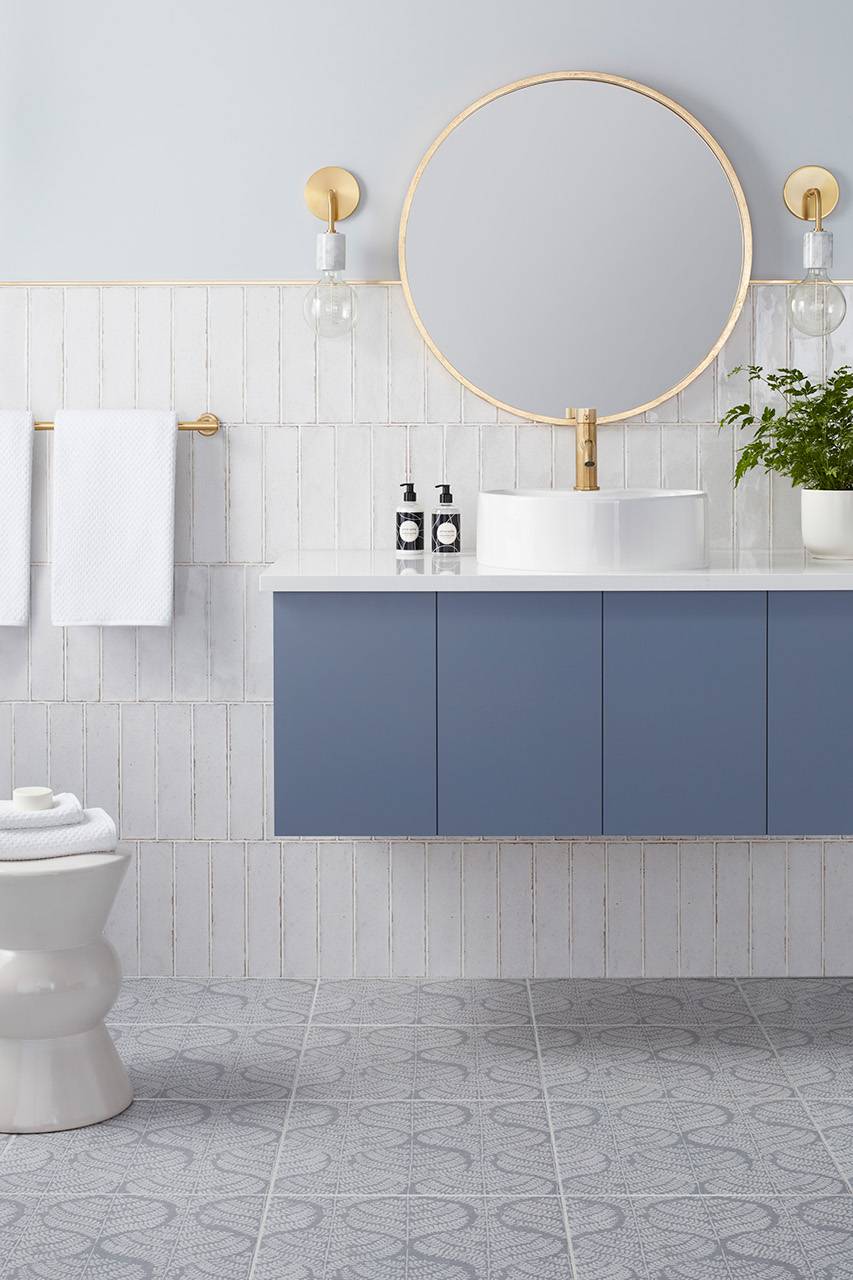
(446, 524)
(410, 523)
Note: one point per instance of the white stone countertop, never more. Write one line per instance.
(382, 571)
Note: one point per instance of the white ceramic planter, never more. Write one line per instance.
(827, 523)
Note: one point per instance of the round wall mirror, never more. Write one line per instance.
(575, 239)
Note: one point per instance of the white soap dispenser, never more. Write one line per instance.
(446, 524)
(410, 523)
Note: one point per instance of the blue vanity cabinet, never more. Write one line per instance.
(684, 713)
(519, 713)
(810, 712)
(355, 713)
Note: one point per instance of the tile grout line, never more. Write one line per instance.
(546, 1097)
(274, 1170)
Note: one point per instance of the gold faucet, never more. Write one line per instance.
(586, 449)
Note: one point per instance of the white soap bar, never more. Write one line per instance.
(32, 798)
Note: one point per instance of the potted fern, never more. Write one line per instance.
(810, 440)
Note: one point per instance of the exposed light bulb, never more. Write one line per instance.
(817, 304)
(331, 305)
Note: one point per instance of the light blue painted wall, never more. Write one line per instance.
(170, 138)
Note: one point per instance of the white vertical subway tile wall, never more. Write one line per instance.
(171, 730)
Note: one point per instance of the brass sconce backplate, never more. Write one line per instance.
(809, 178)
(344, 185)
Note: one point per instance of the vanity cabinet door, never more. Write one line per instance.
(684, 713)
(355, 714)
(810, 713)
(519, 713)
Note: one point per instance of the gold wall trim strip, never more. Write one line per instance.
(168, 284)
(241, 284)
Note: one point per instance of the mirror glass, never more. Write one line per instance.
(575, 240)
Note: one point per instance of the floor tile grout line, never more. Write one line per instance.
(803, 1101)
(547, 1104)
(262, 1222)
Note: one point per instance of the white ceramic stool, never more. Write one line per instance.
(59, 977)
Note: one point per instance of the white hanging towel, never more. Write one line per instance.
(65, 811)
(95, 834)
(16, 483)
(113, 518)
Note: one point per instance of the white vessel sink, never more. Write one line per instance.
(562, 531)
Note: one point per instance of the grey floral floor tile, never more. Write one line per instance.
(421, 1148)
(817, 1060)
(158, 1000)
(236, 1062)
(433, 1002)
(346, 1148)
(801, 1002)
(149, 1055)
(240, 1001)
(421, 1238)
(606, 1242)
(78, 1162)
(582, 1064)
(363, 1062)
(57, 1239)
(477, 1062)
(677, 1238)
(666, 1002)
(824, 1229)
(587, 1155)
(759, 1238)
(735, 1062)
(834, 1119)
(213, 1149)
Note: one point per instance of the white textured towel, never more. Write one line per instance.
(113, 518)
(95, 834)
(65, 811)
(16, 482)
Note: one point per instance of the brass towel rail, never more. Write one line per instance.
(206, 425)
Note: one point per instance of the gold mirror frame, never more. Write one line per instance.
(711, 142)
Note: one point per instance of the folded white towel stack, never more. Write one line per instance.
(65, 811)
(113, 518)
(96, 833)
(16, 482)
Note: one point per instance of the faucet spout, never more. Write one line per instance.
(586, 450)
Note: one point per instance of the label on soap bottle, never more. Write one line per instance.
(446, 532)
(410, 530)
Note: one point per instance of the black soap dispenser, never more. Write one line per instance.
(410, 523)
(446, 524)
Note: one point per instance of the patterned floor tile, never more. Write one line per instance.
(824, 1228)
(158, 1000)
(85, 1161)
(235, 1062)
(240, 1001)
(759, 1238)
(149, 1054)
(719, 1062)
(451, 1002)
(58, 1238)
(212, 1149)
(677, 1238)
(606, 1242)
(362, 1062)
(834, 1119)
(346, 1148)
(817, 1060)
(801, 1002)
(421, 1148)
(480, 1062)
(420, 1238)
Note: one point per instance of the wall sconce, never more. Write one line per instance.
(331, 305)
(817, 305)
